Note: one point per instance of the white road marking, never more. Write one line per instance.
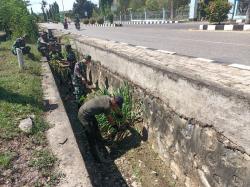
(240, 66)
(205, 59)
(168, 52)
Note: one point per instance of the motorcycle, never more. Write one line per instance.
(77, 25)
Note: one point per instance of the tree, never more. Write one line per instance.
(82, 6)
(137, 4)
(16, 20)
(43, 6)
(152, 5)
(248, 14)
(104, 6)
(218, 10)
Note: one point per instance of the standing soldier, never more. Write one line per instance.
(70, 57)
(21, 44)
(80, 78)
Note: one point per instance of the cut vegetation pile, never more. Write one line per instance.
(24, 157)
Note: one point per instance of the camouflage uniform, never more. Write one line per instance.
(71, 59)
(78, 77)
(21, 44)
(86, 115)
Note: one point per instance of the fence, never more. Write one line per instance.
(179, 14)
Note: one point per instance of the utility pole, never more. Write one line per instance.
(63, 9)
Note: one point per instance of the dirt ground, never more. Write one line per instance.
(130, 162)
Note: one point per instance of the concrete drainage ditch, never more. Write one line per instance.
(196, 115)
(131, 162)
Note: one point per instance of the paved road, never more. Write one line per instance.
(183, 38)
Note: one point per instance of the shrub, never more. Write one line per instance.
(132, 111)
(16, 20)
(86, 21)
(92, 21)
(100, 20)
(218, 10)
(110, 17)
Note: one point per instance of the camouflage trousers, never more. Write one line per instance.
(79, 88)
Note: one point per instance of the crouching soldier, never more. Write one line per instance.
(55, 53)
(43, 45)
(21, 44)
(80, 82)
(98, 105)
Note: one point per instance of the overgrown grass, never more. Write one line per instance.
(20, 92)
(5, 160)
(21, 97)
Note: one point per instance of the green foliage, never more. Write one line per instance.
(152, 5)
(92, 21)
(137, 4)
(42, 160)
(131, 110)
(218, 10)
(110, 18)
(100, 20)
(16, 20)
(86, 21)
(5, 160)
(20, 92)
(54, 14)
(80, 7)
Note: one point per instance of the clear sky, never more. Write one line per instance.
(68, 4)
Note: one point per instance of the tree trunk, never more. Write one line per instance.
(248, 14)
(172, 9)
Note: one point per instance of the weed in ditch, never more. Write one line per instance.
(42, 160)
(5, 160)
(131, 110)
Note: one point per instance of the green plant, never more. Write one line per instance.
(131, 110)
(92, 21)
(100, 20)
(218, 10)
(5, 160)
(86, 21)
(110, 17)
(42, 160)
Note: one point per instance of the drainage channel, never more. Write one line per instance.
(131, 161)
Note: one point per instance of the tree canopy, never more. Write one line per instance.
(80, 7)
(16, 20)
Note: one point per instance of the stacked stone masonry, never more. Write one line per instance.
(197, 113)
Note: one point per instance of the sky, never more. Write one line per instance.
(68, 4)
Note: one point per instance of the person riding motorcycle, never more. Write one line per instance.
(65, 24)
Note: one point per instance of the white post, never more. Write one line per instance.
(145, 14)
(20, 58)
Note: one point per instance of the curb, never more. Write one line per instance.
(104, 25)
(144, 22)
(245, 27)
(61, 138)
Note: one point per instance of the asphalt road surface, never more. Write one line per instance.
(183, 38)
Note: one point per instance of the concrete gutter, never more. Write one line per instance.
(61, 138)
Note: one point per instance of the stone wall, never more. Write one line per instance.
(197, 113)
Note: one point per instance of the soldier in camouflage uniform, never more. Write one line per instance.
(55, 53)
(99, 105)
(80, 77)
(70, 57)
(21, 44)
